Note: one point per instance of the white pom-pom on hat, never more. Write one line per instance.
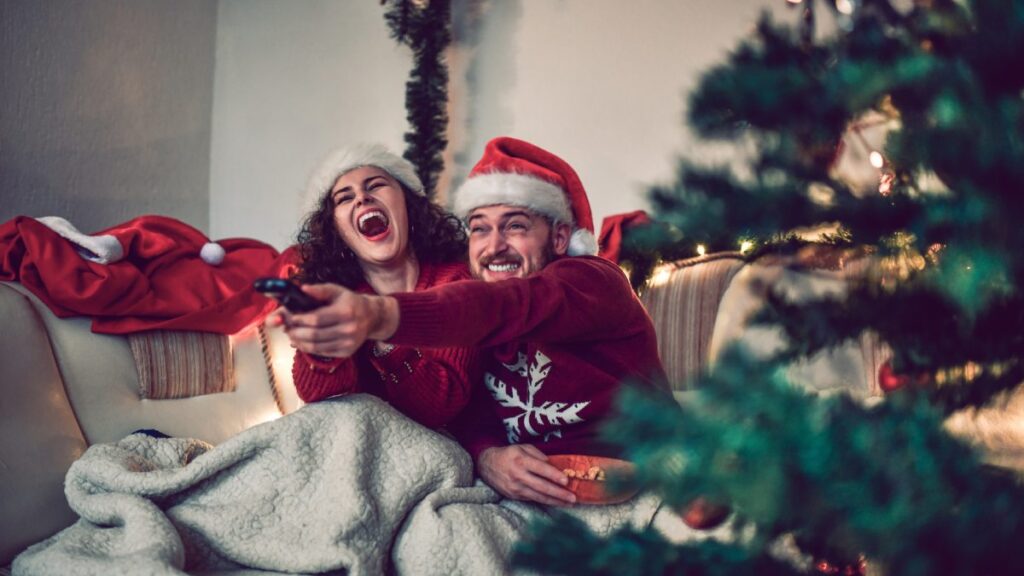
(212, 253)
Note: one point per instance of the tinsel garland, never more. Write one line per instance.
(424, 26)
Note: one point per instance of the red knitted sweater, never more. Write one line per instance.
(430, 385)
(561, 345)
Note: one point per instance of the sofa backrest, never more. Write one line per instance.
(683, 299)
(701, 305)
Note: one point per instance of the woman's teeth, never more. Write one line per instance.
(372, 223)
(503, 267)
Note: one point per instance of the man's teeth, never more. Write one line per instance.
(503, 267)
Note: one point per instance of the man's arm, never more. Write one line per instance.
(574, 299)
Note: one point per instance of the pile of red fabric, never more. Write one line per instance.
(161, 282)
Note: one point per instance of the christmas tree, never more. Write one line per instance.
(839, 479)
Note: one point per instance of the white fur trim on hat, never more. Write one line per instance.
(516, 190)
(102, 249)
(344, 160)
(582, 243)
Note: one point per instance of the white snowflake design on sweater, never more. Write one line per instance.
(554, 413)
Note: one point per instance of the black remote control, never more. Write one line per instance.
(287, 293)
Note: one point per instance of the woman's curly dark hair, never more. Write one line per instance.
(435, 236)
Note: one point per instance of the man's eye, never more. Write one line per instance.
(517, 226)
(476, 230)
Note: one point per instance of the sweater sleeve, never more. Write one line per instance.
(431, 385)
(576, 299)
(317, 377)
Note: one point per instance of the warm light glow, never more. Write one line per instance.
(745, 246)
(701, 249)
(844, 6)
(885, 184)
(794, 1)
(876, 159)
(662, 274)
(266, 415)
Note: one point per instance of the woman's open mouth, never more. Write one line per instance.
(374, 225)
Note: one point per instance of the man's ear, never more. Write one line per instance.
(560, 235)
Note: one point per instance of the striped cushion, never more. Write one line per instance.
(180, 364)
(683, 303)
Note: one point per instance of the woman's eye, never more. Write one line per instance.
(341, 199)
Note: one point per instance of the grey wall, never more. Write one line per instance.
(106, 109)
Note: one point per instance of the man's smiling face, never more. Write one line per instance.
(512, 242)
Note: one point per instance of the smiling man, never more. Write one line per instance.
(562, 329)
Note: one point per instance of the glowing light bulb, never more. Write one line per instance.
(844, 6)
(701, 249)
(745, 246)
(661, 276)
(876, 159)
(885, 184)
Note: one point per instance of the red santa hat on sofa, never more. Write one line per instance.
(518, 173)
(344, 160)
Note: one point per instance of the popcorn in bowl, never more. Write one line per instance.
(588, 477)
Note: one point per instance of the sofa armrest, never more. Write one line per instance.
(39, 433)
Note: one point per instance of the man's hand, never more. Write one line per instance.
(339, 327)
(522, 472)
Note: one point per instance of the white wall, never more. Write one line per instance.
(293, 80)
(105, 109)
(601, 83)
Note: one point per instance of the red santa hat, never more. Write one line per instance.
(518, 173)
(344, 160)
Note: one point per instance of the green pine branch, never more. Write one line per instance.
(424, 26)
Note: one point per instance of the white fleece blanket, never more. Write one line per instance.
(348, 485)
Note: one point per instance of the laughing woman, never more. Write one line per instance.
(375, 231)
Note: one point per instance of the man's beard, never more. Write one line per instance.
(547, 255)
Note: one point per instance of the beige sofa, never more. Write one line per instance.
(65, 387)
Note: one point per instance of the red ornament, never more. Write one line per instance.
(703, 515)
(859, 568)
(888, 380)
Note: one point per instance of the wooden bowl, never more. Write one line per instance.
(589, 490)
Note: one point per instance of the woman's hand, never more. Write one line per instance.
(522, 472)
(338, 328)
